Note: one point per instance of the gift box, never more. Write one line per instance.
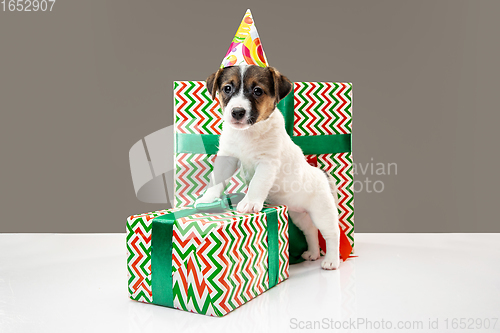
(205, 261)
(317, 117)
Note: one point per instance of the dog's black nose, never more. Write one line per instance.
(238, 113)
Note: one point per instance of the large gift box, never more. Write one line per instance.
(317, 117)
(208, 262)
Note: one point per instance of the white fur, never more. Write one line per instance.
(238, 100)
(277, 172)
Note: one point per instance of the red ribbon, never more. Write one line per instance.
(345, 245)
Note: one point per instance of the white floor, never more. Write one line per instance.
(429, 282)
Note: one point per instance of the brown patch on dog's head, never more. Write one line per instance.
(274, 88)
(257, 89)
(211, 83)
(274, 85)
(228, 76)
(282, 86)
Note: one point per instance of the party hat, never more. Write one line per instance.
(245, 47)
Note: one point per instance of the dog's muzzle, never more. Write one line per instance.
(238, 113)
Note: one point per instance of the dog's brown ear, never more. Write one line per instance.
(213, 84)
(282, 85)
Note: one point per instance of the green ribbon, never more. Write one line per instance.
(196, 143)
(161, 245)
(286, 106)
(161, 260)
(310, 144)
(323, 144)
(272, 244)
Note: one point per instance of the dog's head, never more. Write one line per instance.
(247, 94)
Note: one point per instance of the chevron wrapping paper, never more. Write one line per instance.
(320, 108)
(340, 167)
(191, 178)
(219, 261)
(194, 111)
(325, 108)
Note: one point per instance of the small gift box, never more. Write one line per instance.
(209, 260)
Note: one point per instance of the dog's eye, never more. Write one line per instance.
(228, 89)
(257, 91)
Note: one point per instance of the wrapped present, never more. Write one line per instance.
(209, 260)
(317, 117)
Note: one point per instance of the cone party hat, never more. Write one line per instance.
(245, 47)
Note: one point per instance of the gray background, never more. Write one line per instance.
(80, 85)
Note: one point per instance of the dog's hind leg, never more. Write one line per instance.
(303, 221)
(326, 218)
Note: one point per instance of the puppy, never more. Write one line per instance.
(273, 166)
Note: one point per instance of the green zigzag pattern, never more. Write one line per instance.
(196, 95)
(350, 201)
(300, 109)
(133, 253)
(330, 89)
(187, 194)
(200, 231)
(333, 158)
(347, 110)
(191, 295)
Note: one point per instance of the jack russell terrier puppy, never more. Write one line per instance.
(273, 166)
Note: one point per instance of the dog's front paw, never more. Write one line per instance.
(249, 206)
(311, 255)
(330, 262)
